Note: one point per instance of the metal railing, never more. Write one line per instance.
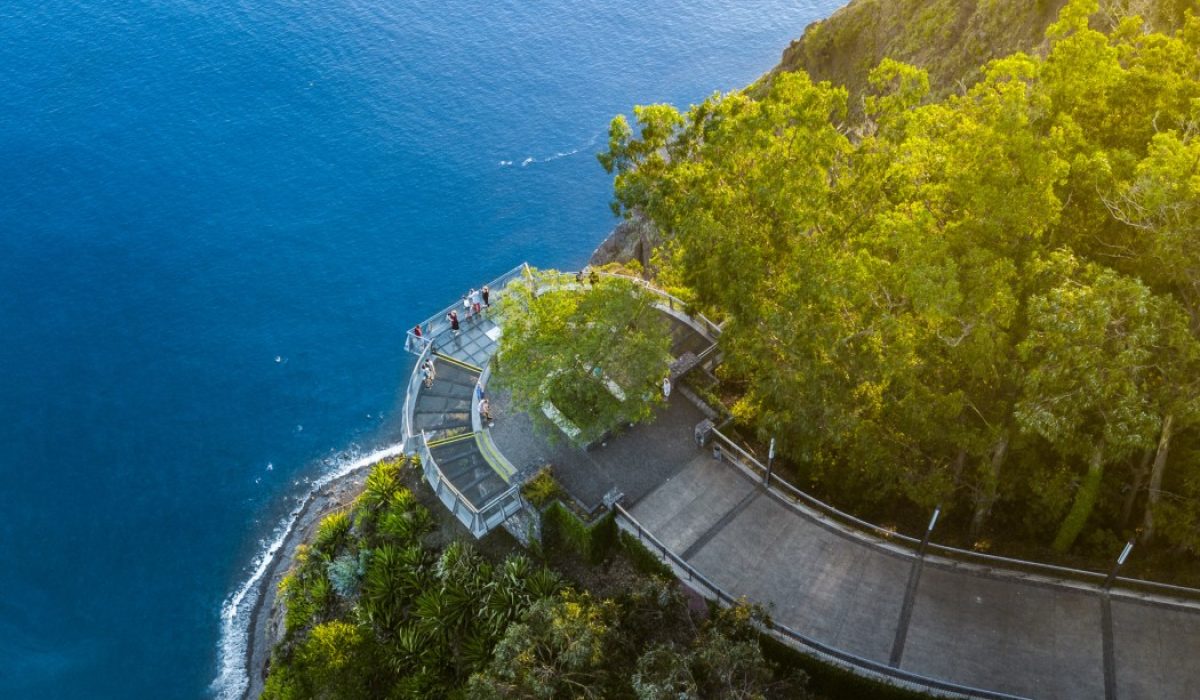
(825, 652)
(437, 325)
(478, 519)
(707, 327)
(799, 500)
(414, 388)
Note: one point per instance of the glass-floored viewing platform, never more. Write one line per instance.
(441, 422)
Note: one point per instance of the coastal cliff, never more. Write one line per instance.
(950, 39)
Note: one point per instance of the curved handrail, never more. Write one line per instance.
(857, 662)
(427, 458)
(713, 330)
(569, 279)
(436, 325)
(414, 388)
(825, 508)
(789, 493)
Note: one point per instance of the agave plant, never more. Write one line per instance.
(393, 578)
(543, 583)
(332, 534)
(346, 572)
(412, 650)
(404, 523)
(382, 486)
(476, 650)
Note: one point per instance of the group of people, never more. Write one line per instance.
(587, 274)
(474, 303)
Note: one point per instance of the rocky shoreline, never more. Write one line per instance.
(266, 620)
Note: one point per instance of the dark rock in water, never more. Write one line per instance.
(633, 239)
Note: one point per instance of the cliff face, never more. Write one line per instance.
(632, 239)
(951, 39)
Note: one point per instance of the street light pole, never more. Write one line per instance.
(1112, 575)
(929, 530)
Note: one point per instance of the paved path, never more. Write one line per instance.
(992, 632)
(627, 465)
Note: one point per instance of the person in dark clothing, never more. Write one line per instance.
(453, 318)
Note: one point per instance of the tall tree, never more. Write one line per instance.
(595, 351)
(1091, 342)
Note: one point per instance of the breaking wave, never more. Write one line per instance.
(232, 676)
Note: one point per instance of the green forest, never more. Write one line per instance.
(988, 301)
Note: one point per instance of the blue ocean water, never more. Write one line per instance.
(217, 218)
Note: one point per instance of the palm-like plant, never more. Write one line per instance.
(394, 578)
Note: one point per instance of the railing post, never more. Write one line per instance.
(770, 459)
(1112, 575)
(929, 530)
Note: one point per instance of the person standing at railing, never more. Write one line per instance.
(476, 301)
(415, 337)
(452, 317)
(485, 411)
(485, 292)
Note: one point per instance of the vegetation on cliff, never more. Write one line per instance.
(988, 301)
(375, 608)
(951, 40)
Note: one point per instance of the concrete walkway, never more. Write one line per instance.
(987, 631)
(628, 466)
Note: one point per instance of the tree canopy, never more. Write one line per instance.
(594, 349)
(988, 301)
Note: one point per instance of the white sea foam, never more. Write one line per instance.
(530, 160)
(233, 677)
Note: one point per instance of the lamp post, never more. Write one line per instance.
(929, 530)
(770, 458)
(1112, 575)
